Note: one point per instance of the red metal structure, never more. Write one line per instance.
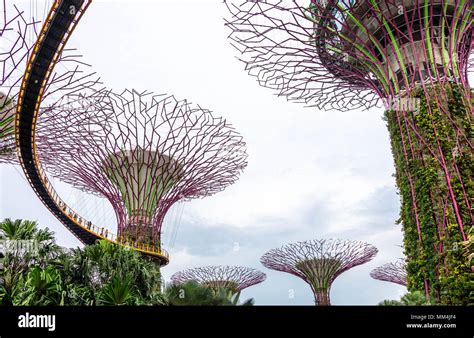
(319, 262)
(142, 152)
(229, 278)
(395, 272)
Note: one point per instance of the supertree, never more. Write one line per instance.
(142, 152)
(230, 278)
(414, 57)
(395, 272)
(19, 31)
(319, 262)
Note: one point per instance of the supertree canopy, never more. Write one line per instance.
(230, 278)
(319, 262)
(413, 56)
(395, 272)
(142, 152)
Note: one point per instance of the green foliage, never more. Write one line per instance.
(190, 293)
(39, 287)
(415, 298)
(390, 302)
(468, 253)
(195, 294)
(117, 292)
(107, 274)
(100, 274)
(433, 134)
(15, 272)
(229, 297)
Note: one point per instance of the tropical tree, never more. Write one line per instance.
(390, 302)
(26, 246)
(230, 297)
(99, 274)
(415, 298)
(39, 287)
(190, 293)
(118, 292)
(194, 294)
(107, 274)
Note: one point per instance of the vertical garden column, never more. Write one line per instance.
(432, 149)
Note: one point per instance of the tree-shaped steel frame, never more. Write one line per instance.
(414, 56)
(394, 272)
(310, 50)
(318, 262)
(230, 278)
(142, 152)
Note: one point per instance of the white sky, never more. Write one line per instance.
(311, 174)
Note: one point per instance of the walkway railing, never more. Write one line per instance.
(33, 173)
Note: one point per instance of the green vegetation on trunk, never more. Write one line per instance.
(440, 130)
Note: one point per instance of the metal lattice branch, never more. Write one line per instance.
(395, 272)
(319, 262)
(232, 278)
(18, 33)
(344, 54)
(142, 152)
(276, 42)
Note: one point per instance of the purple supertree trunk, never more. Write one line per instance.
(142, 152)
(414, 57)
(230, 278)
(395, 272)
(319, 262)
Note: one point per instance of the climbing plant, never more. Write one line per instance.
(432, 149)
